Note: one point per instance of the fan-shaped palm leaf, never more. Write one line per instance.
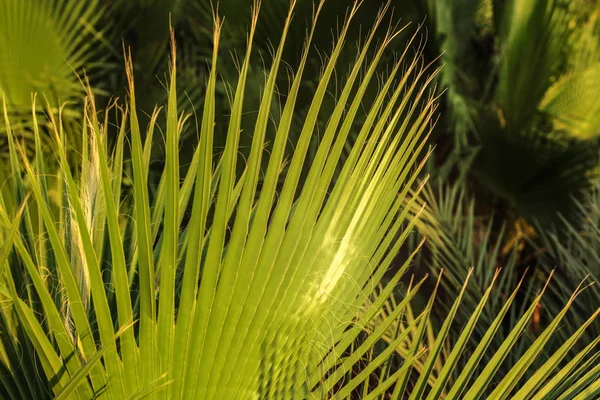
(43, 44)
(257, 295)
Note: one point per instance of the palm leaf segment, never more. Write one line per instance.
(257, 296)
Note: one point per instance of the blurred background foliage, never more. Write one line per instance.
(514, 178)
(520, 112)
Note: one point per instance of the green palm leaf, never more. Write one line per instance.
(262, 292)
(42, 44)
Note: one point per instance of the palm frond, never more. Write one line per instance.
(264, 291)
(572, 249)
(63, 36)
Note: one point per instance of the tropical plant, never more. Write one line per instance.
(43, 43)
(520, 81)
(44, 46)
(464, 241)
(573, 247)
(263, 291)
